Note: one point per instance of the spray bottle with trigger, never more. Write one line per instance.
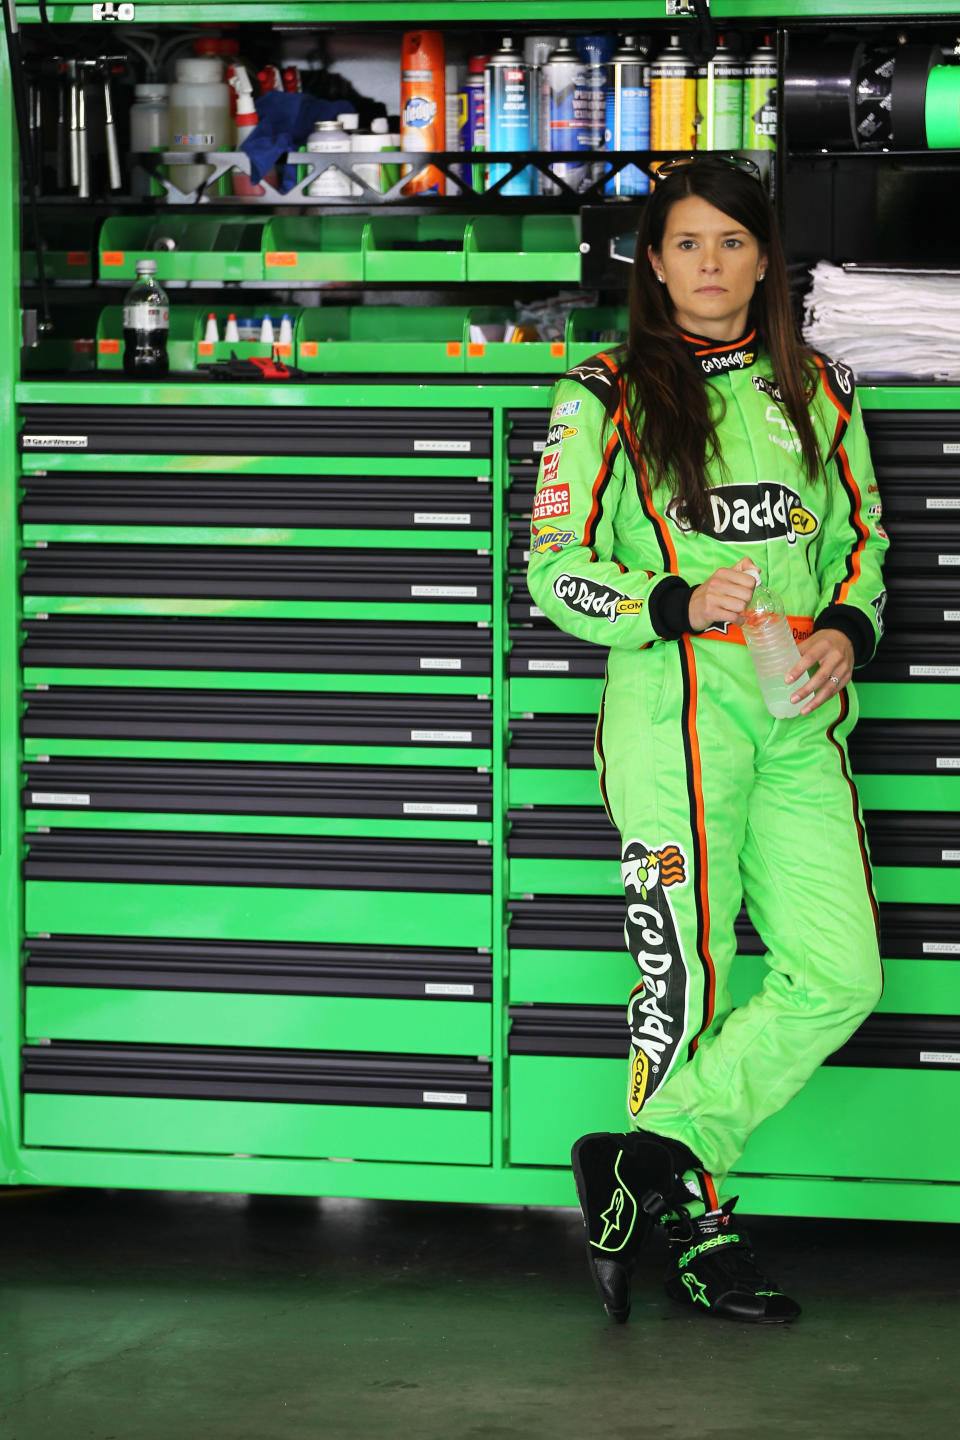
(239, 80)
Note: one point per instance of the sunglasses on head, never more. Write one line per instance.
(736, 162)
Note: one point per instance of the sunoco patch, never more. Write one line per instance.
(548, 537)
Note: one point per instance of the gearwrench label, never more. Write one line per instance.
(657, 1010)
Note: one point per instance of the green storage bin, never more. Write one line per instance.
(285, 1022)
(390, 338)
(424, 248)
(257, 1128)
(592, 329)
(207, 248)
(498, 357)
(63, 265)
(523, 247)
(314, 247)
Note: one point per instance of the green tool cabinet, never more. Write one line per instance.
(307, 884)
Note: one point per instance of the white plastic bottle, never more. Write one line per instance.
(200, 116)
(773, 650)
(149, 131)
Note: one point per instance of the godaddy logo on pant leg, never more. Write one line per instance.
(657, 1010)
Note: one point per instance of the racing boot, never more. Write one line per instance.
(713, 1268)
(624, 1184)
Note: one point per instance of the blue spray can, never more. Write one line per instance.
(628, 114)
(473, 130)
(509, 114)
(576, 113)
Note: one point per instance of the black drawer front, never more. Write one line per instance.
(585, 923)
(545, 650)
(299, 1077)
(244, 967)
(299, 862)
(274, 431)
(135, 642)
(269, 572)
(903, 439)
(191, 498)
(292, 717)
(528, 434)
(249, 788)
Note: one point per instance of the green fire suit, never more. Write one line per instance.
(715, 800)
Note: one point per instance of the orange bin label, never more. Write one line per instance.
(557, 349)
(473, 348)
(454, 347)
(78, 257)
(281, 257)
(112, 257)
(309, 347)
(205, 347)
(108, 347)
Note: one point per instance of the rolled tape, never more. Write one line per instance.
(942, 107)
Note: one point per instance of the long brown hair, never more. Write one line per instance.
(666, 397)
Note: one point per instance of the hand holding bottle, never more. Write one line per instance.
(723, 597)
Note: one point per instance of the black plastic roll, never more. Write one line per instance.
(818, 89)
(908, 94)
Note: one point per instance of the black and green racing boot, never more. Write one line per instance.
(713, 1268)
(624, 1184)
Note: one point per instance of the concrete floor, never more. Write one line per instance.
(174, 1317)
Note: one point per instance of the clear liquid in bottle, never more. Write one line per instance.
(773, 651)
(146, 324)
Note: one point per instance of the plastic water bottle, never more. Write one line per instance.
(773, 650)
(146, 322)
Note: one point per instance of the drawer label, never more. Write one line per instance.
(948, 559)
(940, 947)
(951, 855)
(444, 592)
(948, 762)
(429, 517)
(443, 737)
(45, 797)
(951, 614)
(939, 1057)
(548, 664)
(942, 672)
(436, 662)
(437, 989)
(416, 807)
(444, 1097)
(950, 447)
(54, 442)
(536, 613)
(461, 446)
(948, 502)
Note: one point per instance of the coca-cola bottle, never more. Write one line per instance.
(146, 323)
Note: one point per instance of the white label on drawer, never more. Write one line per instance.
(439, 737)
(538, 446)
(463, 446)
(940, 947)
(444, 592)
(548, 664)
(948, 762)
(444, 1097)
(536, 613)
(943, 672)
(953, 855)
(435, 662)
(430, 989)
(417, 807)
(430, 517)
(948, 559)
(947, 502)
(950, 447)
(939, 1057)
(42, 797)
(951, 614)
(526, 557)
(54, 442)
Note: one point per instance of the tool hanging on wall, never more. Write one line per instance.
(21, 106)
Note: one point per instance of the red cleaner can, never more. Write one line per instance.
(423, 105)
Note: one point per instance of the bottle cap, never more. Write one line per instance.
(477, 64)
(146, 267)
(199, 69)
(151, 90)
(379, 125)
(349, 120)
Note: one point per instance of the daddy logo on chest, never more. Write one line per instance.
(765, 511)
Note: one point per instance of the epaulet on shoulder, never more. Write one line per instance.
(837, 380)
(600, 374)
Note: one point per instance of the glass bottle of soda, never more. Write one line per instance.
(146, 323)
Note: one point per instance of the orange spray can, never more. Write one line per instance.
(422, 105)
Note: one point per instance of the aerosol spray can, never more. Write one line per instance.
(760, 99)
(329, 137)
(628, 114)
(673, 99)
(423, 104)
(596, 51)
(473, 130)
(572, 120)
(507, 106)
(720, 101)
(452, 115)
(537, 50)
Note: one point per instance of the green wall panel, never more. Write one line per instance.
(254, 1128)
(233, 912)
(295, 1022)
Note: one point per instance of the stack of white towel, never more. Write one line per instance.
(886, 322)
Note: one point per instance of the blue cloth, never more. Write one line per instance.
(284, 123)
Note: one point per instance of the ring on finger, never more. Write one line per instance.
(836, 680)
